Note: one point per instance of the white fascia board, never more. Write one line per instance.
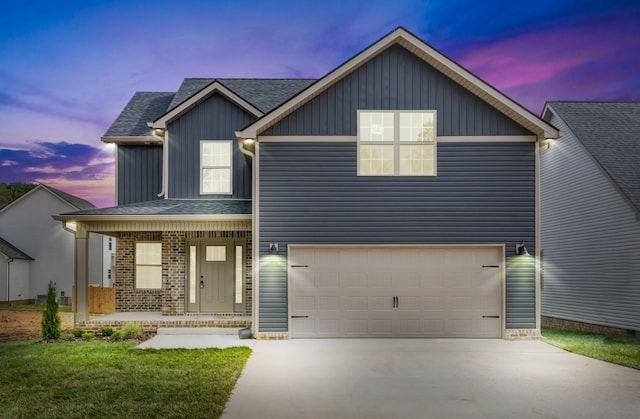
(216, 86)
(151, 139)
(400, 36)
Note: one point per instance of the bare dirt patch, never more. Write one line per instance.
(25, 325)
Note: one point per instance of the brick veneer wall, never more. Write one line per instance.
(170, 300)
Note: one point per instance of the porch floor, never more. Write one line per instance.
(151, 321)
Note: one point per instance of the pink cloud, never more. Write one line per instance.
(587, 61)
(98, 191)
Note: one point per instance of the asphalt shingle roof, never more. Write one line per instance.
(142, 108)
(264, 94)
(79, 203)
(175, 207)
(11, 251)
(610, 131)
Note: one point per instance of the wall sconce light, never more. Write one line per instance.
(521, 250)
(273, 248)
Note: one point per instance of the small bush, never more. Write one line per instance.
(50, 319)
(77, 333)
(106, 331)
(131, 331)
(116, 335)
(87, 336)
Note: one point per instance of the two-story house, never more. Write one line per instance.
(395, 196)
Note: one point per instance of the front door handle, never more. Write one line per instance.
(396, 300)
(201, 284)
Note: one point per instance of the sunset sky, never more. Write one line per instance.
(67, 68)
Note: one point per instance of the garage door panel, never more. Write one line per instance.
(387, 292)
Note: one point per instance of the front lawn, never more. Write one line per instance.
(621, 350)
(106, 380)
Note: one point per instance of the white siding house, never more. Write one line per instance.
(590, 202)
(46, 250)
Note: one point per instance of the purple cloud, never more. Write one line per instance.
(78, 169)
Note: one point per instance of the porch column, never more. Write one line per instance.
(81, 277)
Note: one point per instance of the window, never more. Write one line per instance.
(396, 143)
(215, 167)
(148, 265)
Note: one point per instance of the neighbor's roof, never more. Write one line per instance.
(72, 200)
(610, 132)
(173, 208)
(11, 251)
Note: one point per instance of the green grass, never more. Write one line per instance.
(31, 307)
(621, 350)
(111, 380)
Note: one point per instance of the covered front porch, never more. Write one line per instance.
(179, 263)
(152, 320)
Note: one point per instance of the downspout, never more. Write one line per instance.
(9, 280)
(254, 232)
(163, 136)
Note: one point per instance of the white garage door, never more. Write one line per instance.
(395, 291)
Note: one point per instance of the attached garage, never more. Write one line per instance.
(396, 291)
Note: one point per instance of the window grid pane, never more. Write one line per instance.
(417, 126)
(376, 126)
(416, 159)
(376, 160)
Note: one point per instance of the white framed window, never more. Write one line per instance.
(216, 167)
(148, 265)
(396, 143)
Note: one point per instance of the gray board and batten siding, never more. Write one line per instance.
(215, 118)
(310, 193)
(396, 80)
(139, 173)
(590, 237)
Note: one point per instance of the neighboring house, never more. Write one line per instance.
(36, 249)
(591, 216)
(388, 198)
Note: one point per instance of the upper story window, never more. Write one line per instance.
(215, 167)
(396, 143)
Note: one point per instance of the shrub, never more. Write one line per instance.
(106, 331)
(131, 331)
(50, 319)
(77, 333)
(116, 335)
(87, 336)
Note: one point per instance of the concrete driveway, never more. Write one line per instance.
(429, 378)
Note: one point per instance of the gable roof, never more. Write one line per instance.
(264, 94)
(610, 132)
(72, 200)
(11, 251)
(431, 56)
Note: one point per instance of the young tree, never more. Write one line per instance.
(50, 318)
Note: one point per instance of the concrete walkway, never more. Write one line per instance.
(195, 337)
(429, 378)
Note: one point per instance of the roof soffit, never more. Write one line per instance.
(454, 71)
